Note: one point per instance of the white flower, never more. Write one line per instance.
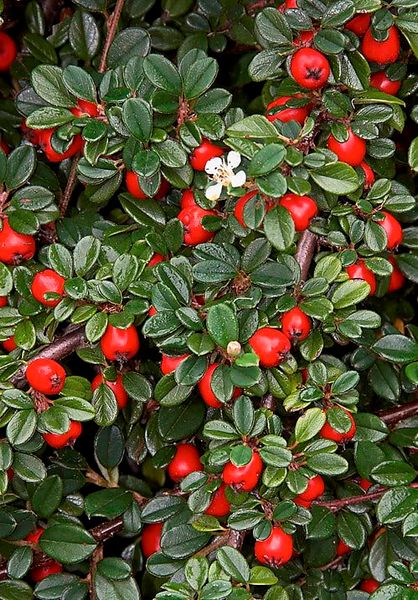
(222, 173)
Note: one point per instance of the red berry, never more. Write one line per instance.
(276, 550)
(315, 489)
(369, 585)
(245, 478)
(369, 177)
(155, 259)
(393, 230)
(4, 147)
(120, 344)
(381, 82)
(329, 433)
(360, 271)
(33, 536)
(296, 325)
(45, 375)
(302, 209)
(288, 4)
(270, 345)
(45, 282)
(152, 311)
(132, 184)
(151, 539)
(9, 345)
(194, 232)
(10, 473)
(52, 155)
(205, 388)
(203, 153)
(240, 207)
(15, 247)
(51, 567)
(116, 387)
(359, 24)
(186, 460)
(8, 51)
(351, 152)
(3, 301)
(170, 363)
(342, 548)
(84, 107)
(309, 68)
(219, 505)
(304, 38)
(287, 114)
(384, 52)
(60, 440)
(187, 199)
(396, 281)
(365, 484)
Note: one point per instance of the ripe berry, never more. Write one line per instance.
(384, 52)
(170, 363)
(187, 199)
(393, 230)
(51, 567)
(270, 345)
(9, 345)
(369, 177)
(315, 489)
(151, 539)
(3, 301)
(84, 107)
(276, 550)
(304, 38)
(219, 505)
(120, 344)
(205, 388)
(284, 115)
(365, 484)
(359, 24)
(116, 387)
(155, 259)
(203, 153)
(4, 147)
(186, 460)
(296, 325)
(240, 207)
(8, 51)
(360, 271)
(329, 433)
(33, 536)
(45, 375)
(369, 585)
(15, 247)
(396, 281)
(152, 311)
(381, 82)
(245, 478)
(342, 548)
(132, 184)
(194, 232)
(287, 5)
(309, 68)
(60, 440)
(351, 152)
(45, 282)
(302, 209)
(52, 155)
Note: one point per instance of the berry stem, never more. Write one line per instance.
(69, 188)
(305, 251)
(342, 502)
(112, 25)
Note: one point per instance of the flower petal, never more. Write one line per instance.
(214, 191)
(239, 179)
(213, 165)
(233, 159)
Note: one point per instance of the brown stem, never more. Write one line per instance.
(268, 402)
(305, 251)
(111, 31)
(337, 504)
(69, 188)
(399, 413)
(105, 531)
(232, 538)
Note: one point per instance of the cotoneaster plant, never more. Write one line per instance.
(208, 269)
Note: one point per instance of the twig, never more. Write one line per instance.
(69, 188)
(232, 538)
(111, 31)
(399, 413)
(337, 504)
(305, 252)
(105, 531)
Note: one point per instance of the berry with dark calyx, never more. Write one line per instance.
(8, 51)
(51, 567)
(396, 280)
(116, 387)
(352, 151)
(393, 230)
(75, 147)
(185, 461)
(369, 585)
(15, 247)
(298, 114)
(205, 388)
(276, 550)
(9, 345)
(85, 107)
(155, 259)
(34, 536)
(329, 433)
(302, 209)
(360, 271)
(244, 478)
(296, 325)
(369, 176)
(120, 344)
(219, 505)
(203, 153)
(240, 207)
(46, 376)
(314, 490)
(342, 548)
(381, 82)
(359, 24)
(170, 363)
(194, 231)
(46, 282)
(309, 68)
(382, 52)
(133, 187)
(270, 345)
(151, 539)
(60, 440)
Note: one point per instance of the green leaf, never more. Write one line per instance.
(222, 324)
(137, 116)
(396, 348)
(182, 541)
(413, 154)
(21, 164)
(279, 228)
(199, 77)
(308, 425)
(234, 564)
(86, 254)
(128, 43)
(84, 35)
(67, 543)
(162, 73)
(125, 589)
(396, 504)
(47, 496)
(266, 160)
(79, 83)
(48, 83)
(393, 473)
(108, 503)
(327, 464)
(349, 293)
(337, 178)
(254, 127)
